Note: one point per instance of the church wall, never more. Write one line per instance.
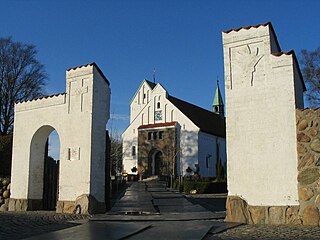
(189, 132)
(140, 100)
(208, 146)
(260, 104)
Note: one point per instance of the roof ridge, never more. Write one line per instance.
(189, 103)
(247, 27)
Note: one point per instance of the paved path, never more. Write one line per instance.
(147, 210)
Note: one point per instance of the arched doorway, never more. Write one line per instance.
(43, 168)
(155, 160)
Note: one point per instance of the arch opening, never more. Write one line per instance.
(44, 164)
(155, 162)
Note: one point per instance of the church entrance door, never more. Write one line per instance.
(155, 162)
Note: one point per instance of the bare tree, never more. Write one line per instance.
(22, 78)
(116, 153)
(310, 62)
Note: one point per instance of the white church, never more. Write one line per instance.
(168, 136)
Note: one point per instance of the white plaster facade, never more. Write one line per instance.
(263, 89)
(151, 105)
(79, 116)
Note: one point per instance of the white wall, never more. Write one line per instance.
(208, 146)
(71, 115)
(261, 131)
(189, 132)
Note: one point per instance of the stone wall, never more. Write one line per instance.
(146, 147)
(308, 177)
(308, 147)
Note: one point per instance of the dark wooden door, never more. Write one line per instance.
(50, 182)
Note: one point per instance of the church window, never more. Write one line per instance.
(133, 151)
(155, 135)
(149, 135)
(158, 105)
(208, 160)
(161, 135)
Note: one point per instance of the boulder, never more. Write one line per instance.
(276, 215)
(311, 216)
(305, 194)
(257, 214)
(236, 210)
(308, 176)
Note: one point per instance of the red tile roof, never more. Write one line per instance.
(257, 26)
(248, 27)
(278, 54)
(96, 66)
(157, 125)
(42, 97)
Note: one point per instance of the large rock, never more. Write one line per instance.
(313, 132)
(301, 148)
(292, 216)
(236, 210)
(311, 216)
(306, 161)
(303, 125)
(308, 176)
(305, 194)
(87, 204)
(18, 205)
(276, 215)
(315, 145)
(257, 214)
(4, 207)
(301, 137)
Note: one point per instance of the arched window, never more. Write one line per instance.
(158, 105)
(133, 151)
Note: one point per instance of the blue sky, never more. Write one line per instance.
(129, 38)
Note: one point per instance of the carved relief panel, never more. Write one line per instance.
(246, 62)
(77, 95)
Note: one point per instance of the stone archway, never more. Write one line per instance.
(155, 162)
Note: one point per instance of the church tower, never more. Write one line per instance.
(218, 106)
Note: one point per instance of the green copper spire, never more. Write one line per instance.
(218, 106)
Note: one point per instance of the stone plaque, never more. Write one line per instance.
(73, 153)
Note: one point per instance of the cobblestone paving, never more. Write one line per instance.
(268, 232)
(19, 225)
